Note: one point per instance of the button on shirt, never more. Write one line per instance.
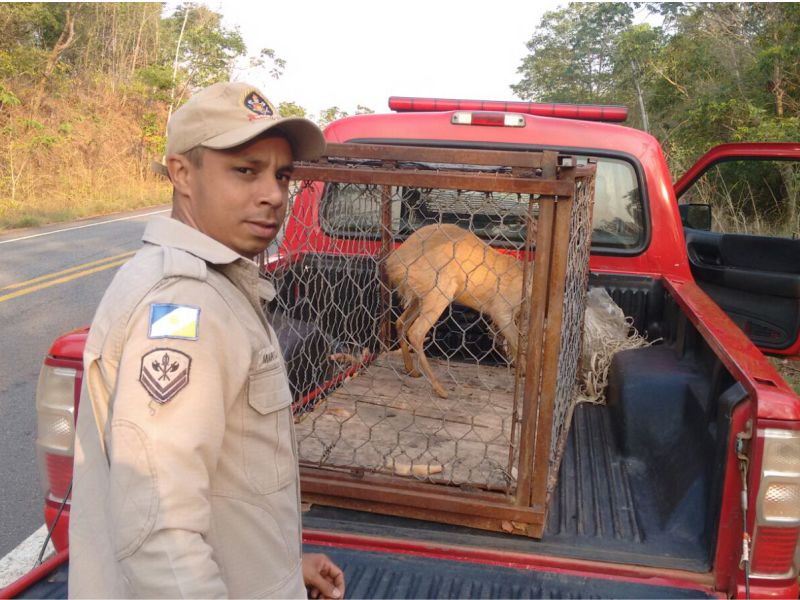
(185, 479)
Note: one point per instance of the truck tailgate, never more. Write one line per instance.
(371, 574)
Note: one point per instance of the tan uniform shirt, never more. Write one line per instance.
(186, 482)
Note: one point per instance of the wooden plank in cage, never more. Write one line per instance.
(439, 516)
(463, 156)
(479, 182)
(549, 376)
(378, 394)
(523, 353)
(386, 248)
(408, 498)
(533, 367)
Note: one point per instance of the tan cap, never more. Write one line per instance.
(228, 114)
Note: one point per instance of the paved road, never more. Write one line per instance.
(71, 266)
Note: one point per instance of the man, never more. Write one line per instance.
(186, 481)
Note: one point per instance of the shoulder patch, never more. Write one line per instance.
(164, 373)
(176, 321)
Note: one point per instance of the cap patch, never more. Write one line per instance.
(176, 321)
(164, 373)
(258, 105)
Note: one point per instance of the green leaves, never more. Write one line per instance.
(329, 115)
(698, 75)
(208, 51)
(290, 109)
(705, 74)
(571, 54)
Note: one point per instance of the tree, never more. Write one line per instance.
(571, 54)
(85, 89)
(777, 55)
(208, 51)
(634, 58)
(710, 73)
(290, 109)
(329, 115)
(264, 58)
(65, 40)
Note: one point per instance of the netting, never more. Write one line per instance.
(332, 309)
(572, 326)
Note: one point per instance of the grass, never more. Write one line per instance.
(63, 206)
(789, 370)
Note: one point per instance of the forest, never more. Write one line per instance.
(706, 74)
(86, 90)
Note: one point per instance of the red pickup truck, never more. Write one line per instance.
(684, 483)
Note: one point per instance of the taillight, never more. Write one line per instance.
(492, 119)
(778, 509)
(55, 419)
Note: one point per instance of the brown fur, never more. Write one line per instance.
(441, 264)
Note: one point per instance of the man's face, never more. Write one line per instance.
(239, 196)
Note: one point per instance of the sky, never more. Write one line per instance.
(347, 53)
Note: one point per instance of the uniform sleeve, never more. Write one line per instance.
(185, 359)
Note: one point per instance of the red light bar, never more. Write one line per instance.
(586, 112)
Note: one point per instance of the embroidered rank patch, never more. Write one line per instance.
(176, 321)
(165, 372)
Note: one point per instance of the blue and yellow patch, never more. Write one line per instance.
(176, 321)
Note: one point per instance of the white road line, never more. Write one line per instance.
(23, 558)
(35, 235)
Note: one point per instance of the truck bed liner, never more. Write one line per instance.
(602, 509)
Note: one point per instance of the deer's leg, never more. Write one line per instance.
(508, 329)
(406, 319)
(432, 307)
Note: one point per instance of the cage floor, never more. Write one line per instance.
(383, 420)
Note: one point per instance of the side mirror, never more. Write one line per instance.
(696, 216)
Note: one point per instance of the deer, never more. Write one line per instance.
(440, 264)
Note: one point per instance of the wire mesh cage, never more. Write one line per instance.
(432, 358)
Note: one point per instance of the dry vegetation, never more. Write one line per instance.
(789, 370)
(85, 154)
(85, 89)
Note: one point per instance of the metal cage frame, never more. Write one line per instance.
(564, 193)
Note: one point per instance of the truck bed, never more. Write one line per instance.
(613, 503)
(639, 481)
(602, 509)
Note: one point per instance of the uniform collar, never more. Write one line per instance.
(166, 231)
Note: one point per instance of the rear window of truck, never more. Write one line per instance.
(355, 210)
